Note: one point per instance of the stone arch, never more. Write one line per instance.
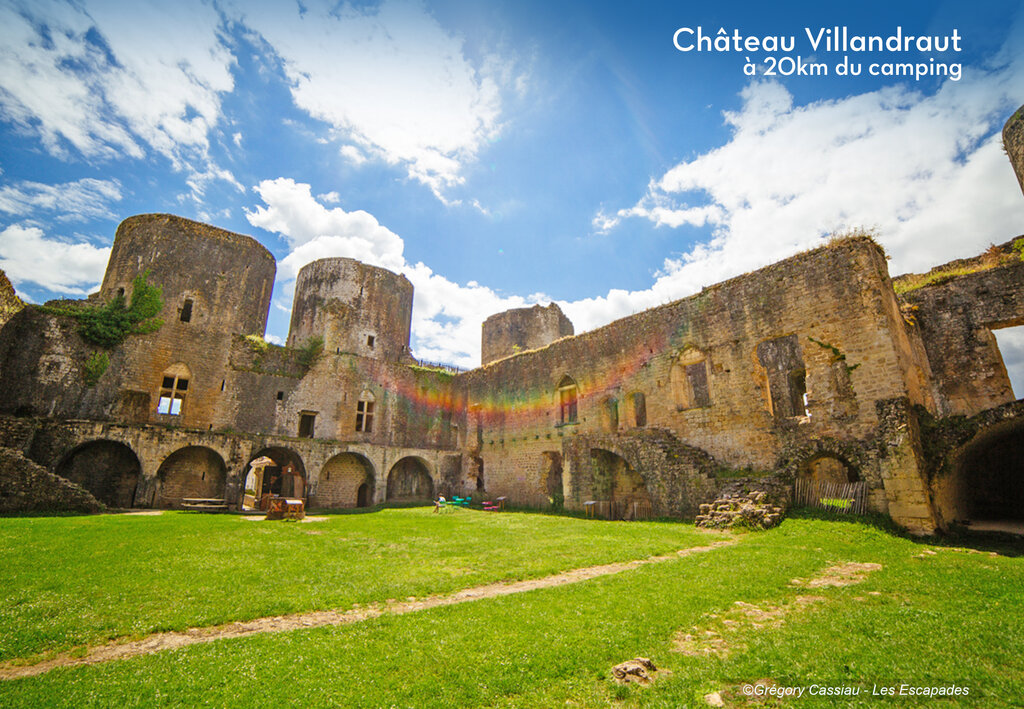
(346, 480)
(192, 471)
(108, 469)
(988, 474)
(821, 455)
(409, 479)
(828, 468)
(286, 478)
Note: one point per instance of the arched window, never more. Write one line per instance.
(172, 389)
(364, 412)
(567, 394)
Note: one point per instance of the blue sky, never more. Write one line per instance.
(500, 153)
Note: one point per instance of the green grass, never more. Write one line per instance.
(950, 617)
(73, 580)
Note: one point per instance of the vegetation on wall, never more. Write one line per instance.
(837, 354)
(95, 366)
(109, 324)
(311, 350)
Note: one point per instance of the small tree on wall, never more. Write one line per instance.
(108, 325)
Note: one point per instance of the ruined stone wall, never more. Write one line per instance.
(1013, 142)
(522, 329)
(956, 317)
(269, 391)
(839, 295)
(355, 308)
(42, 369)
(26, 486)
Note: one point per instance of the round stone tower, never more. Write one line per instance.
(1013, 142)
(521, 329)
(211, 278)
(355, 308)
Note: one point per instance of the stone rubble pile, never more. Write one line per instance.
(754, 510)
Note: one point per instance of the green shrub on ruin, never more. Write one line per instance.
(257, 343)
(94, 368)
(109, 324)
(311, 350)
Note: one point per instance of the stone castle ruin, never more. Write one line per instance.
(818, 367)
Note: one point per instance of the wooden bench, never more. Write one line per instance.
(204, 504)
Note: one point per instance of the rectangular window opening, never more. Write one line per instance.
(364, 416)
(186, 310)
(307, 421)
(370, 339)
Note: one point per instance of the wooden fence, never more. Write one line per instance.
(838, 497)
(619, 509)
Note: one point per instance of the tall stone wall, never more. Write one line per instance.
(521, 329)
(692, 368)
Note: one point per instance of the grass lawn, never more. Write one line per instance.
(926, 616)
(68, 581)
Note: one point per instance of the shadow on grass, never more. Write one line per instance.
(1002, 543)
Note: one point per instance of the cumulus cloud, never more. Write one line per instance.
(446, 316)
(391, 81)
(927, 172)
(108, 79)
(314, 231)
(28, 256)
(83, 199)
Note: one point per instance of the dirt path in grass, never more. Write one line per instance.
(15, 669)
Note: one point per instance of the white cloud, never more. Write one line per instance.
(926, 171)
(315, 231)
(27, 256)
(105, 79)
(393, 83)
(83, 199)
(446, 316)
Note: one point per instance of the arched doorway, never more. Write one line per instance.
(617, 482)
(346, 480)
(286, 478)
(410, 480)
(107, 469)
(191, 472)
(829, 469)
(989, 474)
